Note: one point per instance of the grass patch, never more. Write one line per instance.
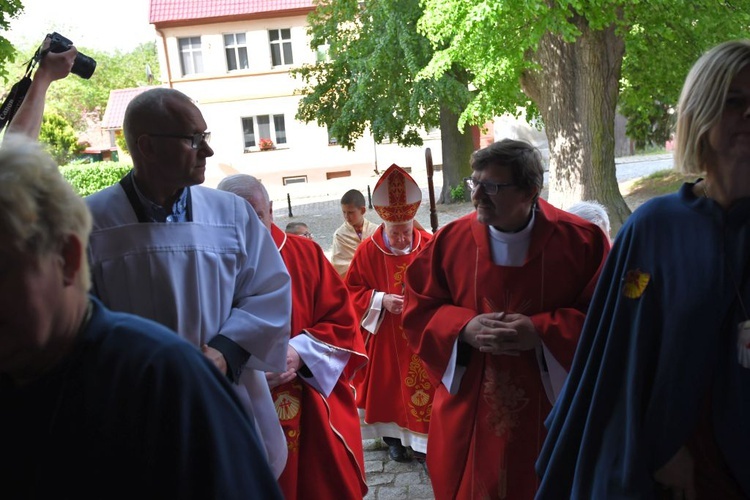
(661, 182)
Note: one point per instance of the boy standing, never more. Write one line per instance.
(350, 234)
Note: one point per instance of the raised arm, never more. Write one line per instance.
(53, 66)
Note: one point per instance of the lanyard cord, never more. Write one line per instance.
(18, 91)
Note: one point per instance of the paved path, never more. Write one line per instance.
(389, 480)
(317, 204)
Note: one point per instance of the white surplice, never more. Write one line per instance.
(219, 274)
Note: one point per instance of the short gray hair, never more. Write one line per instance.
(38, 208)
(243, 185)
(592, 212)
(702, 101)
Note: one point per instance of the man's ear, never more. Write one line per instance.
(72, 255)
(362, 210)
(533, 193)
(145, 145)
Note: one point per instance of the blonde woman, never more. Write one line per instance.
(657, 402)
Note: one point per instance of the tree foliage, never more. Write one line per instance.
(567, 61)
(662, 42)
(496, 40)
(572, 57)
(367, 78)
(60, 138)
(8, 10)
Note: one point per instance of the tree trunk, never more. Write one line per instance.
(457, 147)
(576, 90)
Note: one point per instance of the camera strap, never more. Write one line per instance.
(17, 93)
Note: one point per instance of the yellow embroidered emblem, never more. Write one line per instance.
(635, 283)
(287, 406)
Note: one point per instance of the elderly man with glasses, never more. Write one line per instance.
(494, 306)
(195, 259)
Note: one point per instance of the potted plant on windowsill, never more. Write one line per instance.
(266, 145)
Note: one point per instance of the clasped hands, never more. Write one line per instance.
(293, 363)
(500, 333)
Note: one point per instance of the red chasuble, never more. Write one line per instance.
(484, 439)
(394, 387)
(323, 435)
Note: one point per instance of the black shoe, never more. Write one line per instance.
(398, 453)
(419, 457)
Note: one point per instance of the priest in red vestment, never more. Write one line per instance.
(393, 390)
(494, 307)
(314, 398)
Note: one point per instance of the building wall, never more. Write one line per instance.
(225, 97)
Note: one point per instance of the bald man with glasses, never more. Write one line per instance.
(494, 306)
(196, 260)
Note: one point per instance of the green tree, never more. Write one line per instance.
(366, 77)
(568, 57)
(660, 49)
(567, 62)
(8, 10)
(60, 138)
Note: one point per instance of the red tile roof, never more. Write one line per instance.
(169, 11)
(118, 101)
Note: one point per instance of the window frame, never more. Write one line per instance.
(236, 47)
(191, 52)
(272, 122)
(282, 43)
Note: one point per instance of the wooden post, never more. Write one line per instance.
(289, 204)
(369, 198)
(431, 190)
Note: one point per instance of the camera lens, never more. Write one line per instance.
(83, 66)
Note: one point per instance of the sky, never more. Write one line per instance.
(105, 25)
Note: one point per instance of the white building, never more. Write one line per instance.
(234, 59)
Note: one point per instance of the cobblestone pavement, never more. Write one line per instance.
(390, 480)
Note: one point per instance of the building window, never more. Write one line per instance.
(190, 55)
(235, 47)
(260, 127)
(281, 47)
(297, 179)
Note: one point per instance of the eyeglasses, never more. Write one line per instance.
(195, 140)
(489, 187)
(307, 234)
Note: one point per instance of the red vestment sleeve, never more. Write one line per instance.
(431, 321)
(560, 328)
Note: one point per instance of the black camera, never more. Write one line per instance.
(83, 66)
